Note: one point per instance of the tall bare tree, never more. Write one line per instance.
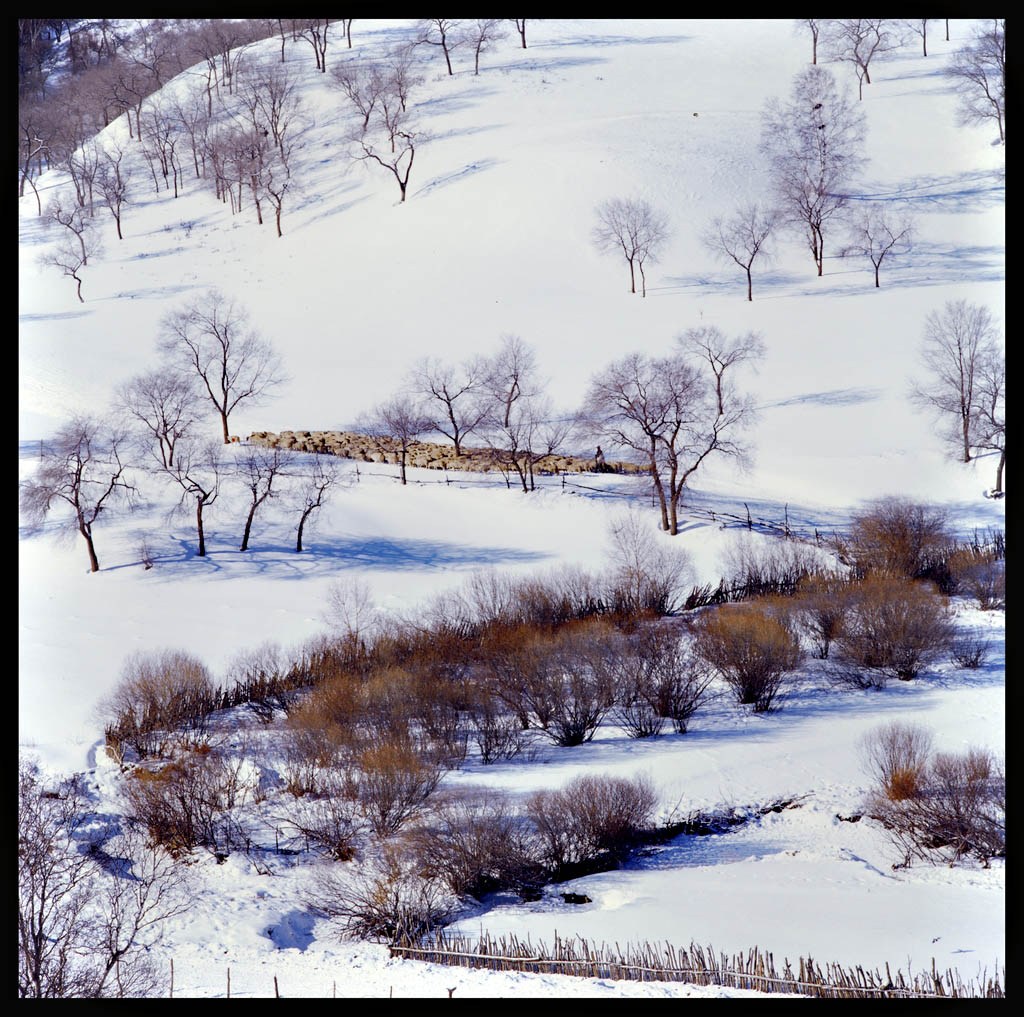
(456, 396)
(510, 375)
(445, 33)
(521, 29)
(743, 237)
(112, 181)
(957, 341)
(70, 257)
(858, 41)
(257, 471)
(988, 425)
(317, 482)
(165, 405)
(815, 27)
(211, 338)
(671, 411)
(876, 232)
(978, 72)
(84, 468)
(636, 229)
(480, 35)
(199, 470)
(395, 425)
(919, 26)
(815, 145)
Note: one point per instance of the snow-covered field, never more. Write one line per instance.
(494, 239)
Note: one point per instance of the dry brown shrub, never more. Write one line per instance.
(394, 782)
(897, 535)
(751, 648)
(955, 808)
(589, 816)
(895, 627)
(822, 604)
(160, 695)
(315, 747)
(895, 755)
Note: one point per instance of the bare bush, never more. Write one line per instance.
(476, 844)
(968, 652)
(986, 582)
(755, 565)
(895, 627)
(822, 605)
(645, 575)
(386, 902)
(330, 820)
(255, 670)
(897, 535)
(751, 649)
(318, 738)
(573, 682)
(957, 809)
(394, 783)
(161, 694)
(658, 677)
(591, 815)
(896, 756)
(186, 803)
(497, 731)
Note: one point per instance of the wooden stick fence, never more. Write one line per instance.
(699, 966)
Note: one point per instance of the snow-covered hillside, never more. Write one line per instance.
(495, 239)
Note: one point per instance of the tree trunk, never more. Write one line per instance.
(632, 277)
(643, 280)
(401, 460)
(199, 527)
(94, 562)
(999, 471)
(749, 285)
(302, 523)
(248, 527)
(224, 424)
(81, 299)
(447, 59)
(876, 275)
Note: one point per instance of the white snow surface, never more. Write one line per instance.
(494, 239)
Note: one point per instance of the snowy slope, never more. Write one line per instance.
(495, 239)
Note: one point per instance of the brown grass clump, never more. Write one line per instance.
(751, 648)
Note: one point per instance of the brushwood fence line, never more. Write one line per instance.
(698, 966)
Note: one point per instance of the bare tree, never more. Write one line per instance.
(317, 484)
(362, 84)
(521, 29)
(396, 424)
(815, 145)
(82, 932)
(113, 184)
(722, 354)
(55, 885)
(634, 228)
(257, 471)
(70, 257)
(73, 218)
(481, 34)
(669, 411)
(978, 72)
(401, 75)
(743, 237)
(442, 32)
(403, 135)
(509, 375)
(919, 26)
(528, 432)
(988, 425)
(314, 31)
(166, 405)
(83, 467)
(876, 232)
(455, 394)
(815, 27)
(199, 470)
(211, 337)
(957, 340)
(858, 41)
